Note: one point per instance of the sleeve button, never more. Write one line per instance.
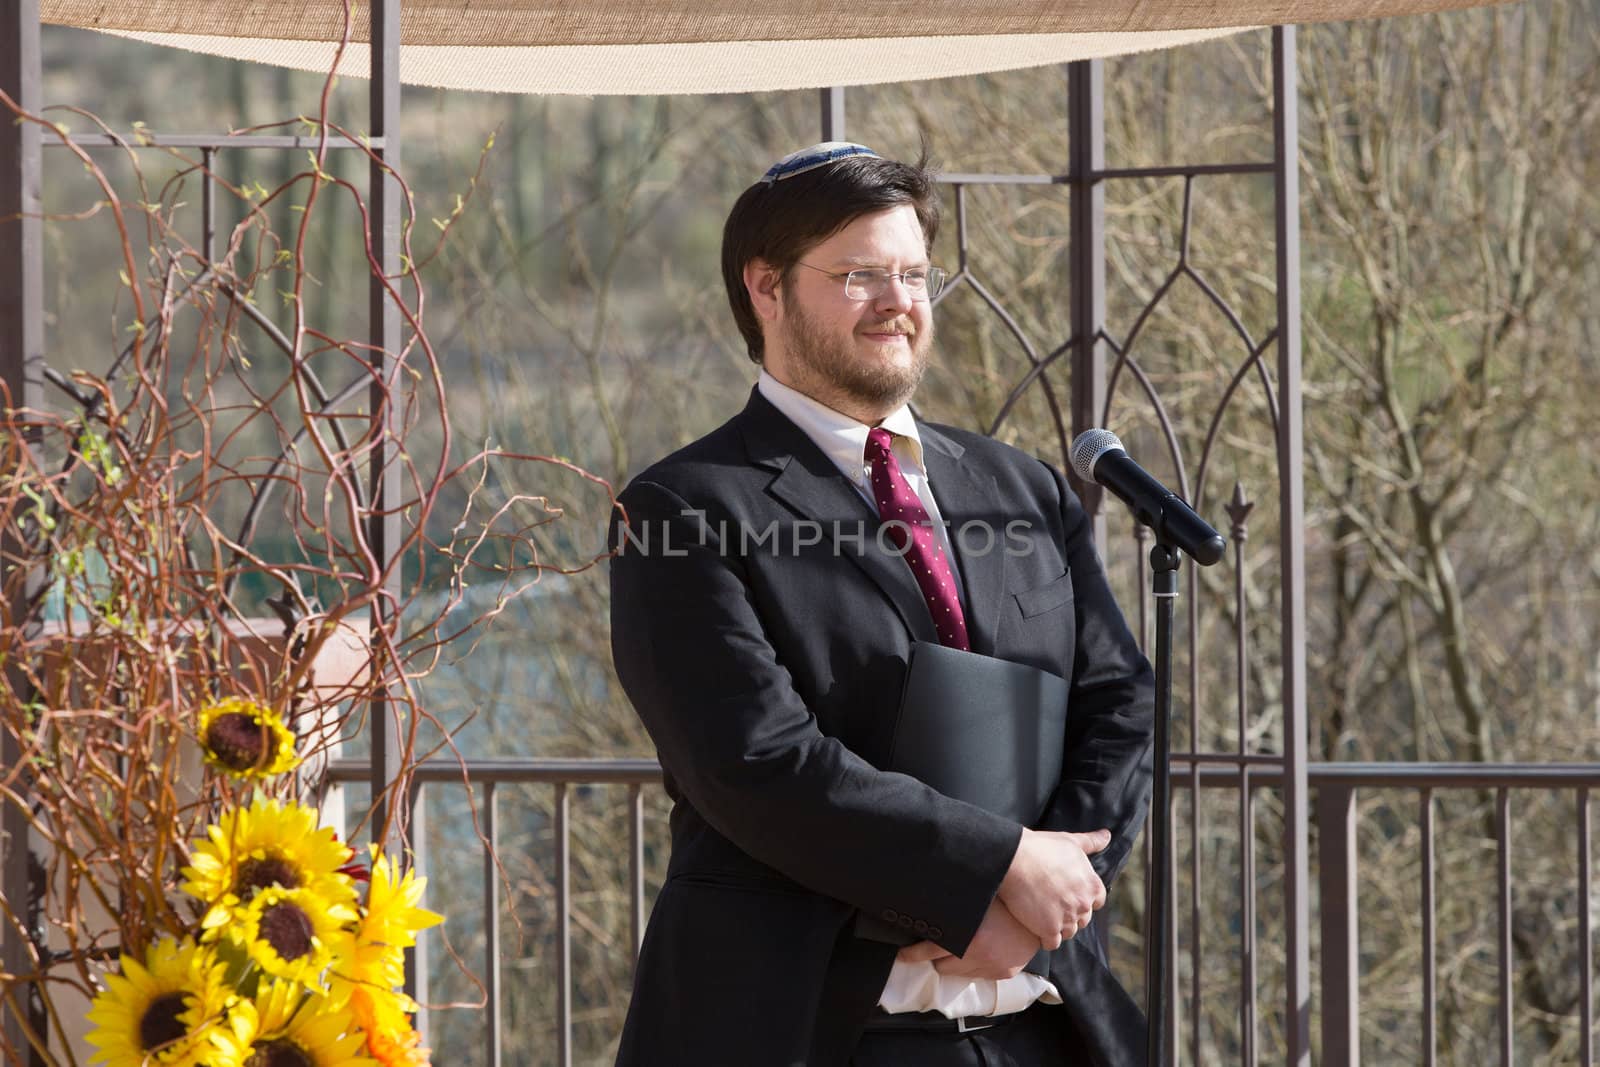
(890, 915)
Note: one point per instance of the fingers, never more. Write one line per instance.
(960, 967)
(1092, 842)
(921, 952)
(1042, 922)
(1076, 926)
(1049, 884)
(1001, 947)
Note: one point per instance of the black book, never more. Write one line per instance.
(983, 730)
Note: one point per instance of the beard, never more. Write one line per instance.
(834, 372)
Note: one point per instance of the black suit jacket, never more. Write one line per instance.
(762, 633)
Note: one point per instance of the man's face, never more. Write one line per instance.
(861, 357)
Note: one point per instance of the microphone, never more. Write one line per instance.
(1098, 457)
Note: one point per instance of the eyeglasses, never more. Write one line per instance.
(868, 283)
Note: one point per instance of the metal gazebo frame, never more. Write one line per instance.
(1097, 359)
(23, 357)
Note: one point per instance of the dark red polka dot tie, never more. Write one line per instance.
(908, 527)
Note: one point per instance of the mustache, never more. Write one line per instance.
(893, 326)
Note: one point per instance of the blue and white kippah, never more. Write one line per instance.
(818, 155)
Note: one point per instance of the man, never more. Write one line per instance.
(770, 581)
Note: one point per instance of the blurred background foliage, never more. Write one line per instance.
(1449, 217)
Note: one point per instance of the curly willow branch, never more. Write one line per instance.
(177, 494)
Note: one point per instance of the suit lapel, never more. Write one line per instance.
(967, 495)
(809, 484)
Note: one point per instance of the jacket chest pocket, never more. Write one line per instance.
(1041, 628)
(1048, 597)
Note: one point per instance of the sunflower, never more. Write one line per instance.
(392, 915)
(384, 1018)
(373, 952)
(164, 1012)
(246, 739)
(288, 933)
(358, 962)
(269, 844)
(283, 1026)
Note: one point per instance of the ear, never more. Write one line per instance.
(761, 281)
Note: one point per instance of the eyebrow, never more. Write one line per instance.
(867, 261)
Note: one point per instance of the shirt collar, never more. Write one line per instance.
(841, 437)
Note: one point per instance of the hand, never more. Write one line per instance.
(921, 952)
(1051, 888)
(1000, 949)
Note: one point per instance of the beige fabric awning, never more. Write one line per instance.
(720, 67)
(699, 46)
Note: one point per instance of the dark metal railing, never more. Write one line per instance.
(563, 775)
(1335, 786)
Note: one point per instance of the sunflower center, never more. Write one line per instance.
(287, 929)
(160, 1024)
(265, 873)
(279, 1053)
(239, 742)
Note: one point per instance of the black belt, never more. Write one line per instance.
(933, 1022)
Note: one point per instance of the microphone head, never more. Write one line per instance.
(1089, 447)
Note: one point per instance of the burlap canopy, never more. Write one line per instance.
(700, 46)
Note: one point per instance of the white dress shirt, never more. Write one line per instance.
(911, 986)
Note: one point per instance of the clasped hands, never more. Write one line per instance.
(1049, 894)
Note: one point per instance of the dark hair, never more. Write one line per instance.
(783, 221)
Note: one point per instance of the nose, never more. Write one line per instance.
(895, 297)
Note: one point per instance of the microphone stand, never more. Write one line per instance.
(1164, 560)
